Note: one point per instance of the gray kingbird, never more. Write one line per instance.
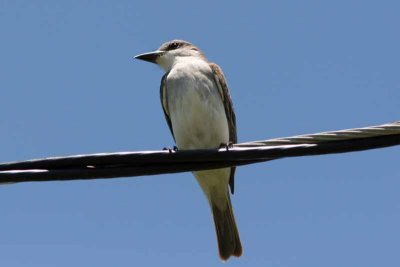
(199, 112)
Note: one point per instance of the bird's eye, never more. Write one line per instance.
(174, 45)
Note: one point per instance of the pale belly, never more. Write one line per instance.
(198, 120)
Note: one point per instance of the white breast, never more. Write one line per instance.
(195, 106)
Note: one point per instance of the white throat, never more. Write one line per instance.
(168, 60)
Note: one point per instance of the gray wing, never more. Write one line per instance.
(164, 102)
(230, 113)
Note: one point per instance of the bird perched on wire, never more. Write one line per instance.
(199, 112)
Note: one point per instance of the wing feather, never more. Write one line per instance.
(164, 102)
(229, 111)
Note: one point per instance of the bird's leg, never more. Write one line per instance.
(168, 148)
(227, 146)
(171, 150)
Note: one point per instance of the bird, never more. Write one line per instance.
(198, 109)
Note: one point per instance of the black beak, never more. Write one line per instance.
(150, 57)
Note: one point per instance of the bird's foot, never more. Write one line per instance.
(227, 146)
(171, 150)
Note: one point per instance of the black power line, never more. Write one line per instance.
(128, 164)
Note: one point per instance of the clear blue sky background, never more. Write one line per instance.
(69, 85)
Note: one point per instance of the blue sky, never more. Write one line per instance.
(69, 85)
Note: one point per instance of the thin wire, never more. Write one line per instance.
(348, 134)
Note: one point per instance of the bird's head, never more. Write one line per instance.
(171, 52)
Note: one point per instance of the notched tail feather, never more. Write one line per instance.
(227, 233)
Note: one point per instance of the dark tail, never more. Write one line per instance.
(227, 232)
